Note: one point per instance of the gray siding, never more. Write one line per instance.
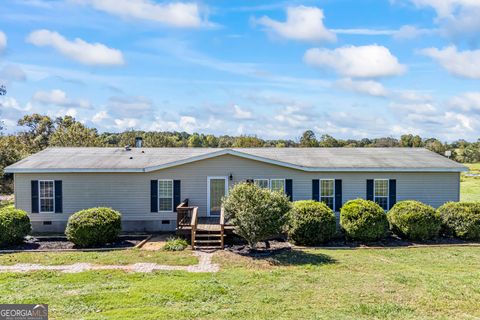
(130, 192)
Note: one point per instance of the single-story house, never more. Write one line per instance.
(147, 184)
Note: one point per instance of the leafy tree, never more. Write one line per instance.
(308, 139)
(195, 140)
(435, 145)
(328, 141)
(211, 141)
(71, 133)
(248, 142)
(39, 129)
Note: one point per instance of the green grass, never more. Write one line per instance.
(425, 283)
(470, 186)
(121, 257)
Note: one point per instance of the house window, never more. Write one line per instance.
(262, 183)
(165, 195)
(381, 193)
(277, 184)
(46, 196)
(327, 192)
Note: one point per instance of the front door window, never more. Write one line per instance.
(217, 192)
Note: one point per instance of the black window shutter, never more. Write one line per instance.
(176, 194)
(289, 189)
(370, 189)
(34, 196)
(392, 188)
(58, 196)
(316, 189)
(154, 195)
(338, 194)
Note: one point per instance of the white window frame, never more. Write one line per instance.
(284, 183)
(320, 191)
(158, 195)
(388, 192)
(262, 179)
(40, 196)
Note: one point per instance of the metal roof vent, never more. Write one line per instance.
(138, 142)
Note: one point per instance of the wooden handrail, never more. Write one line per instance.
(193, 224)
(222, 225)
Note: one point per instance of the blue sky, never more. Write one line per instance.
(348, 68)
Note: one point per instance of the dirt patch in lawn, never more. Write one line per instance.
(61, 243)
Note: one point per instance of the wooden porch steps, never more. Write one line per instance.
(206, 233)
(208, 238)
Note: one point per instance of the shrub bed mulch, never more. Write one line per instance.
(58, 243)
(391, 241)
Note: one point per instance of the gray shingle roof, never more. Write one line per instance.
(308, 159)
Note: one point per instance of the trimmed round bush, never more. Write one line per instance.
(94, 226)
(311, 223)
(257, 213)
(363, 220)
(461, 219)
(14, 225)
(414, 220)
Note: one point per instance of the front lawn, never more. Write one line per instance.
(117, 257)
(441, 283)
(470, 186)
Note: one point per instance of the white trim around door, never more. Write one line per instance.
(208, 192)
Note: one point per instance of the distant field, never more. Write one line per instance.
(470, 186)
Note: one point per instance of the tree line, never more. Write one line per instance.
(40, 131)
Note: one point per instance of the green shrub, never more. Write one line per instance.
(311, 222)
(14, 225)
(94, 226)
(461, 219)
(175, 244)
(257, 213)
(6, 203)
(414, 220)
(363, 220)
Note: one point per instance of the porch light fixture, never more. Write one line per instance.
(230, 177)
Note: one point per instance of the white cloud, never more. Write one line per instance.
(293, 116)
(446, 8)
(241, 114)
(458, 19)
(12, 73)
(129, 107)
(100, 116)
(303, 23)
(410, 32)
(59, 98)
(369, 87)
(468, 101)
(175, 14)
(126, 123)
(356, 62)
(94, 54)
(3, 41)
(460, 63)
(414, 108)
(184, 123)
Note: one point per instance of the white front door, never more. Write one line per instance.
(217, 188)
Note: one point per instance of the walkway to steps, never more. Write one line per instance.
(204, 265)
